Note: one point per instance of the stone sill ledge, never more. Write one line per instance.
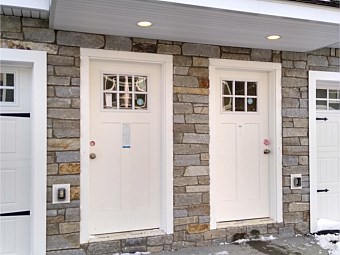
(243, 223)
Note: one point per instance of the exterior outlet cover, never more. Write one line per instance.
(60, 193)
(296, 181)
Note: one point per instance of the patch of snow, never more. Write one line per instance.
(221, 253)
(324, 224)
(135, 253)
(265, 239)
(242, 241)
(330, 242)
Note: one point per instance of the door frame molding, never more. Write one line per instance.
(165, 61)
(314, 78)
(275, 130)
(37, 61)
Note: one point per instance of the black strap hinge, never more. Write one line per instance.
(322, 190)
(322, 119)
(11, 214)
(18, 115)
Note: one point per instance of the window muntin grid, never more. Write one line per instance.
(125, 92)
(328, 99)
(7, 88)
(239, 96)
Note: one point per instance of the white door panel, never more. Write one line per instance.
(242, 167)
(15, 162)
(125, 175)
(328, 165)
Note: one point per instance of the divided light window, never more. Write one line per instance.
(239, 96)
(125, 92)
(328, 99)
(7, 88)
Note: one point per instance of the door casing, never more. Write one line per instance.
(37, 61)
(165, 61)
(275, 130)
(315, 78)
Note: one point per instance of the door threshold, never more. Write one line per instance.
(125, 235)
(242, 223)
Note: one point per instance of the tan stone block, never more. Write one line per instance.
(197, 228)
(186, 90)
(69, 168)
(75, 193)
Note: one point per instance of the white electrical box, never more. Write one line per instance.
(61, 193)
(296, 181)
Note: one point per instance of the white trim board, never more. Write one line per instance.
(36, 60)
(326, 79)
(165, 61)
(275, 130)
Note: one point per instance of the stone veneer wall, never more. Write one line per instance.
(191, 133)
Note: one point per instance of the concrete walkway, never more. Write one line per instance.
(301, 245)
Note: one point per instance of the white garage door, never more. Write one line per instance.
(15, 160)
(125, 169)
(328, 152)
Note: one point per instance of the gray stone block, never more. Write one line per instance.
(39, 23)
(193, 98)
(74, 180)
(70, 114)
(39, 34)
(182, 61)
(183, 108)
(201, 128)
(58, 80)
(67, 252)
(190, 148)
(68, 156)
(201, 50)
(108, 247)
(184, 181)
(49, 48)
(185, 81)
(181, 70)
(67, 91)
(290, 160)
(292, 82)
(197, 61)
(187, 199)
(235, 50)
(292, 132)
(186, 160)
(10, 24)
(69, 51)
(197, 118)
(295, 56)
(196, 138)
(298, 207)
(69, 227)
(298, 73)
(169, 49)
(317, 61)
(13, 35)
(80, 39)
(72, 214)
(58, 102)
(333, 61)
(70, 71)
(261, 55)
(61, 242)
(60, 60)
(236, 56)
(295, 112)
(118, 43)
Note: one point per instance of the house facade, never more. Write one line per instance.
(150, 144)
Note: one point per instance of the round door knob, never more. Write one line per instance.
(266, 151)
(93, 155)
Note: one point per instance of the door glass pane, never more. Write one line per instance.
(110, 100)
(227, 104)
(321, 104)
(239, 87)
(7, 95)
(10, 79)
(125, 83)
(335, 105)
(334, 94)
(110, 82)
(140, 101)
(227, 88)
(125, 101)
(239, 104)
(251, 105)
(321, 93)
(1, 79)
(251, 88)
(140, 83)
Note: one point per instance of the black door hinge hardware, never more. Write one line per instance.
(322, 119)
(322, 190)
(11, 214)
(19, 115)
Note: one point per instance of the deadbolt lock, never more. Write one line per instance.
(266, 151)
(93, 155)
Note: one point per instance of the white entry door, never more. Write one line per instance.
(125, 147)
(15, 160)
(241, 145)
(328, 152)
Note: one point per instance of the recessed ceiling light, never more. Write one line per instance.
(273, 37)
(144, 23)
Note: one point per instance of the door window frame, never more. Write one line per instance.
(37, 61)
(317, 79)
(275, 130)
(165, 62)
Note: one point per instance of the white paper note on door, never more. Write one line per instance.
(126, 136)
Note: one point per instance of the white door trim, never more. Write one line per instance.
(166, 129)
(36, 60)
(275, 130)
(314, 78)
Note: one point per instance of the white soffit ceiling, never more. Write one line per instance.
(187, 23)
